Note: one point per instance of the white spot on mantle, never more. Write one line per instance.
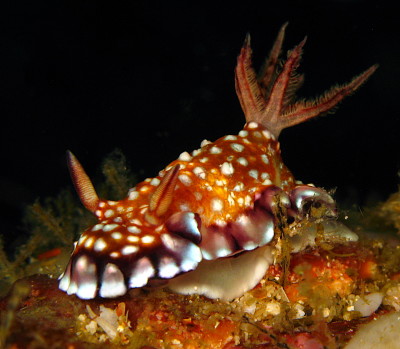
(99, 245)
(155, 181)
(185, 156)
(185, 179)
(217, 205)
(215, 150)
(227, 169)
(129, 250)
(242, 161)
(237, 147)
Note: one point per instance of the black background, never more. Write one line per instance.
(155, 78)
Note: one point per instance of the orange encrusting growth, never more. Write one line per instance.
(329, 273)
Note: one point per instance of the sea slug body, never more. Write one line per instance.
(223, 200)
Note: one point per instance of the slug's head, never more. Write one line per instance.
(135, 239)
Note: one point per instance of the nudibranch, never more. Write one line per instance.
(216, 209)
